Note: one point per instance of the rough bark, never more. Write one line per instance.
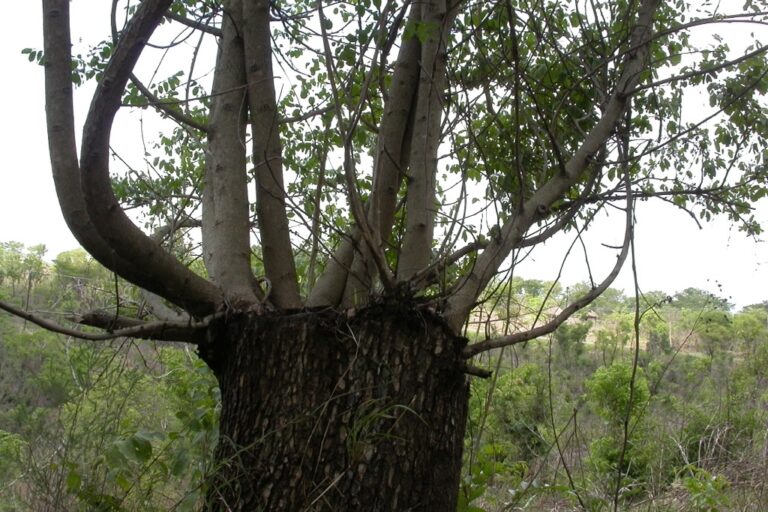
(322, 411)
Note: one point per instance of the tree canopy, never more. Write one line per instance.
(367, 148)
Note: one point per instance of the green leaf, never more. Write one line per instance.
(135, 448)
(124, 483)
(180, 463)
(73, 481)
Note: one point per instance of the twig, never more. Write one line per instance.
(163, 331)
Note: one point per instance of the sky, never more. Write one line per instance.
(672, 252)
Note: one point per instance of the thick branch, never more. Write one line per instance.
(277, 252)
(154, 302)
(331, 283)
(393, 142)
(201, 297)
(559, 224)
(226, 215)
(163, 273)
(421, 202)
(488, 263)
(391, 156)
(371, 251)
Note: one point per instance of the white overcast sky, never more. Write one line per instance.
(672, 253)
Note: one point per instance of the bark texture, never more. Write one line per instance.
(327, 411)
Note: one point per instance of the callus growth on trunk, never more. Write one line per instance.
(322, 411)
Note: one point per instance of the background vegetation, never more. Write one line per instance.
(657, 403)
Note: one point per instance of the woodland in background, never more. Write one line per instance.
(130, 425)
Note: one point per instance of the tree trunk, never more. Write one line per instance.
(334, 411)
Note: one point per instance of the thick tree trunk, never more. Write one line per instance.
(330, 411)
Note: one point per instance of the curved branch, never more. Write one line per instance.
(152, 301)
(161, 106)
(65, 168)
(161, 272)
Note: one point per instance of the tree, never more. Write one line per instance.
(19, 264)
(343, 381)
(750, 327)
(696, 300)
(715, 330)
(12, 264)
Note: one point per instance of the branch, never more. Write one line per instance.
(166, 107)
(67, 173)
(416, 249)
(279, 265)
(390, 158)
(572, 209)
(370, 235)
(698, 72)
(520, 337)
(159, 105)
(329, 288)
(154, 302)
(513, 231)
(187, 332)
(393, 142)
(429, 275)
(390, 161)
(195, 24)
(226, 213)
(477, 372)
(162, 272)
(306, 115)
